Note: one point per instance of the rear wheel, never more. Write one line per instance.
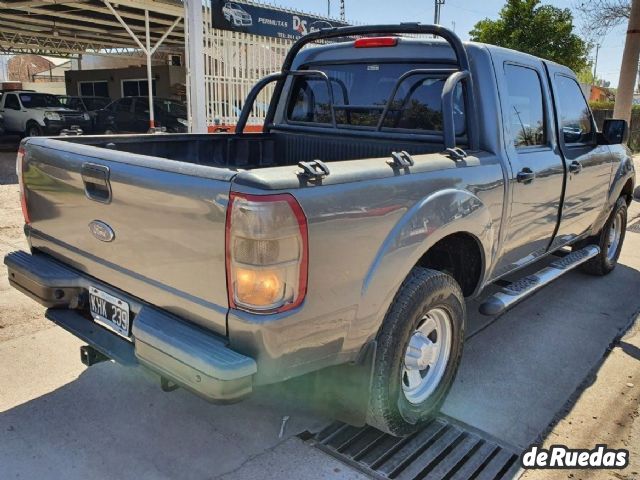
(33, 130)
(610, 241)
(419, 349)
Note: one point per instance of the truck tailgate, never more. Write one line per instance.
(167, 220)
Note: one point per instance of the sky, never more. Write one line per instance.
(464, 13)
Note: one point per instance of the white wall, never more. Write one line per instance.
(56, 88)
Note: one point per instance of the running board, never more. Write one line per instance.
(508, 296)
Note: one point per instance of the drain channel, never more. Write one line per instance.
(441, 450)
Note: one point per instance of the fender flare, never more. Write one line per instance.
(435, 217)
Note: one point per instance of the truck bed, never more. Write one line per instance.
(251, 151)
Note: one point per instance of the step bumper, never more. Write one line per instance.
(181, 352)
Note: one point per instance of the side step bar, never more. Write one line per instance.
(508, 296)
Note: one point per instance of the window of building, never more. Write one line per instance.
(137, 88)
(526, 107)
(93, 89)
(575, 117)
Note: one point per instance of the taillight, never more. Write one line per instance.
(23, 195)
(266, 252)
(373, 42)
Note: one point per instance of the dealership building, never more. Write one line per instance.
(210, 53)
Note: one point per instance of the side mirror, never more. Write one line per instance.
(614, 131)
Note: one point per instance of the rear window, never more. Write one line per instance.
(361, 91)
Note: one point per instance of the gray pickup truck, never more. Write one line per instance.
(396, 176)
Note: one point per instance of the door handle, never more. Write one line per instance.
(526, 175)
(575, 167)
(96, 182)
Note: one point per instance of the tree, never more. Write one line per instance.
(600, 16)
(542, 30)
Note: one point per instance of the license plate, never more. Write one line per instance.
(109, 311)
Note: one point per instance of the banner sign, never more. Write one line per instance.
(265, 20)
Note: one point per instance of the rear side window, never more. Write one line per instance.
(575, 116)
(361, 92)
(526, 107)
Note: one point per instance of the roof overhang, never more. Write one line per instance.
(71, 27)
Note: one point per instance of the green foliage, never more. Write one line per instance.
(586, 75)
(609, 106)
(542, 30)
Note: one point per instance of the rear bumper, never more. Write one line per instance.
(179, 351)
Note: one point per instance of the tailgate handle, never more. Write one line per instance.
(96, 182)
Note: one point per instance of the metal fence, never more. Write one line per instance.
(634, 128)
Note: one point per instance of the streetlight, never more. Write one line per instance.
(436, 15)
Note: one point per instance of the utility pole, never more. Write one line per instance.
(329, 8)
(629, 68)
(343, 15)
(595, 64)
(436, 14)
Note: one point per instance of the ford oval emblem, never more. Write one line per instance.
(102, 231)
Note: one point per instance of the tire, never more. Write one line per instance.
(33, 130)
(394, 406)
(610, 240)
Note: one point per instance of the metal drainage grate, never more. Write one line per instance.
(635, 227)
(442, 450)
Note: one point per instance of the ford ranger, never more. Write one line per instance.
(396, 176)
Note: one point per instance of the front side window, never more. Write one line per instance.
(526, 107)
(123, 105)
(11, 101)
(575, 117)
(361, 92)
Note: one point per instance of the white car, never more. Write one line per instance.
(235, 14)
(33, 114)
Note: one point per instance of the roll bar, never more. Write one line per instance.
(463, 73)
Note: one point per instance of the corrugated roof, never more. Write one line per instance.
(66, 27)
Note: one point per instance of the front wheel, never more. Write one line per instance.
(33, 130)
(418, 353)
(610, 241)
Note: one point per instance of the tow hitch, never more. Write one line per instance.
(90, 356)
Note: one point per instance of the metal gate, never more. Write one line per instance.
(234, 62)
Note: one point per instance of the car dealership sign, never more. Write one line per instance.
(265, 21)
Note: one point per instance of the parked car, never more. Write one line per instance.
(1, 124)
(235, 14)
(131, 115)
(33, 114)
(350, 232)
(89, 105)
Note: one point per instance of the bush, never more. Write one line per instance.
(609, 106)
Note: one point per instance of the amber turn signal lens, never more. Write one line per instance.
(261, 288)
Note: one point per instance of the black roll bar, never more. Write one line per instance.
(396, 87)
(463, 74)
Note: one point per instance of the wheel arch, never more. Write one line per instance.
(444, 219)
